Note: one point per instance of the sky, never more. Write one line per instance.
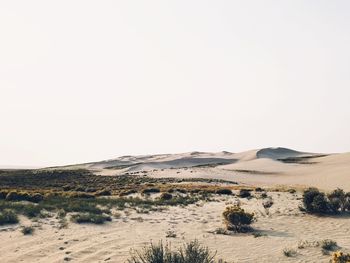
(90, 80)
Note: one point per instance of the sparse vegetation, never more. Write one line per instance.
(329, 245)
(340, 257)
(244, 193)
(191, 252)
(236, 219)
(289, 252)
(319, 203)
(27, 230)
(224, 191)
(8, 217)
(90, 218)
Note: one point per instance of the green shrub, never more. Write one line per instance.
(191, 252)
(316, 202)
(8, 217)
(90, 218)
(237, 219)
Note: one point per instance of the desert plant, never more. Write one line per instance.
(244, 193)
(166, 196)
(27, 230)
(191, 252)
(8, 217)
(338, 200)
(237, 219)
(90, 218)
(340, 257)
(316, 202)
(289, 252)
(329, 245)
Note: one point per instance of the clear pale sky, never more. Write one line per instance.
(90, 80)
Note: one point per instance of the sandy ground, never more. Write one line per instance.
(283, 226)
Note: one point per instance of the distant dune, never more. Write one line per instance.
(266, 167)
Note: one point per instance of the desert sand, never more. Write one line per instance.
(281, 226)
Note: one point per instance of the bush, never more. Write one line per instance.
(329, 245)
(289, 252)
(90, 218)
(316, 202)
(8, 217)
(191, 252)
(340, 257)
(237, 219)
(27, 230)
(338, 200)
(244, 193)
(104, 192)
(166, 196)
(224, 191)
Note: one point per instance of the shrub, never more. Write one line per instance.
(27, 230)
(191, 252)
(237, 219)
(90, 218)
(8, 217)
(329, 245)
(340, 257)
(316, 202)
(224, 191)
(338, 200)
(244, 193)
(166, 196)
(267, 203)
(289, 252)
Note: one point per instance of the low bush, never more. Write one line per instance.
(166, 196)
(340, 257)
(191, 252)
(237, 219)
(289, 252)
(244, 193)
(329, 245)
(90, 218)
(27, 230)
(317, 202)
(8, 217)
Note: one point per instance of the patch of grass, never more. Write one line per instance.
(90, 218)
(191, 252)
(8, 217)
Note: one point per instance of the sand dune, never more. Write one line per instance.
(265, 167)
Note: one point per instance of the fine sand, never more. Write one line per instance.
(282, 226)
